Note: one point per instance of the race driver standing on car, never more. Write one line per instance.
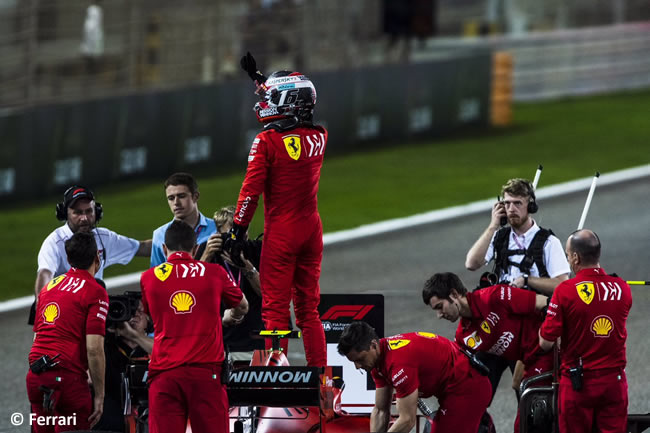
(284, 164)
(589, 313)
(183, 297)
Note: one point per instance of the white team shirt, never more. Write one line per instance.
(118, 249)
(554, 257)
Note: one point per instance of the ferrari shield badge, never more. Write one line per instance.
(163, 271)
(292, 144)
(586, 291)
(397, 344)
(55, 281)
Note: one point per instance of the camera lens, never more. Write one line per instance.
(117, 311)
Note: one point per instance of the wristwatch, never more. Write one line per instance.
(250, 273)
(525, 280)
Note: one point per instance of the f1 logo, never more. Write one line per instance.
(356, 312)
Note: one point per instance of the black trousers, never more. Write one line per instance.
(497, 366)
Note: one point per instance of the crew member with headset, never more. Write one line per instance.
(525, 255)
(81, 214)
(69, 340)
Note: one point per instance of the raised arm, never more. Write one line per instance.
(476, 255)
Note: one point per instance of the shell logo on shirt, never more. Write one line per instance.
(292, 144)
(427, 334)
(56, 280)
(163, 271)
(472, 341)
(51, 312)
(586, 291)
(397, 344)
(182, 302)
(602, 326)
(485, 327)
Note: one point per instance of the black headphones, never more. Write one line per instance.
(73, 193)
(532, 202)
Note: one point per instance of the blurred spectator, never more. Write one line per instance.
(404, 19)
(92, 40)
(509, 14)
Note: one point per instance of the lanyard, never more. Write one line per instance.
(232, 277)
(519, 244)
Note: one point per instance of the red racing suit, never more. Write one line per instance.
(285, 167)
(434, 366)
(504, 323)
(183, 297)
(70, 307)
(589, 312)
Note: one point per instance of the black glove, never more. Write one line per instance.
(248, 64)
(235, 242)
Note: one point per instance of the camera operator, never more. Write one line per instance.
(244, 273)
(125, 343)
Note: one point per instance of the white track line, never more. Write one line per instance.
(374, 229)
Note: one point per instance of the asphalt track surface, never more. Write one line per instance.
(396, 264)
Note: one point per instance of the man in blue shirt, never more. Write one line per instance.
(182, 194)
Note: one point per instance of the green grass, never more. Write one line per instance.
(571, 138)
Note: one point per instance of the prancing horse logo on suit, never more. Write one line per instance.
(292, 144)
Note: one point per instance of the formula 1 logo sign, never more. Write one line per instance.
(338, 311)
(354, 312)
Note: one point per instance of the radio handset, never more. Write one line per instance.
(504, 219)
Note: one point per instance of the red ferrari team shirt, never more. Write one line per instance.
(183, 297)
(70, 307)
(285, 166)
(420, 360)
(589, 313)
(503, 323)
